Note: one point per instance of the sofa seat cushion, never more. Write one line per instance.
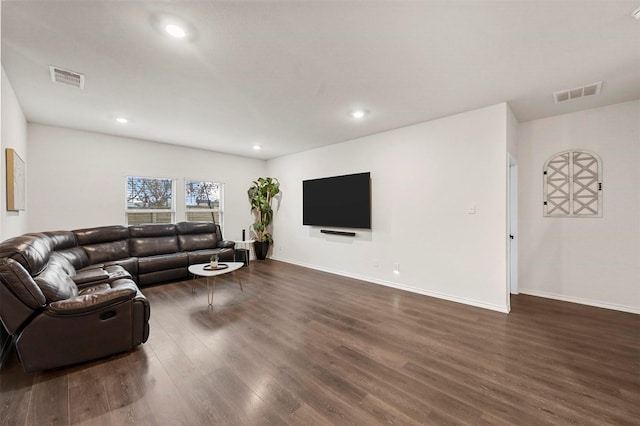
(56, 284)
(161, 262)
(204, 256)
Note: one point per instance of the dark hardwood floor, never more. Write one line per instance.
(300, 347)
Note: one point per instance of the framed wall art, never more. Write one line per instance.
(15, 181)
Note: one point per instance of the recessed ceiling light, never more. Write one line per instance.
(257, 147)
(175, 31)
(174, 26)
(636, 13)
(358, 113)
(122, 120)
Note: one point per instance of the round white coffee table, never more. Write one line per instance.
(199, 271)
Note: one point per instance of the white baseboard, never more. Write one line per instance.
(503, 309)
(597, 304)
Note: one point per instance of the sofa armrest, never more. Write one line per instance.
(90, 276)
(226, 244)
(91, 301)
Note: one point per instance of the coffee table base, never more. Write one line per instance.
(210, 287)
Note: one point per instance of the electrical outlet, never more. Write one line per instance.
(396, 268)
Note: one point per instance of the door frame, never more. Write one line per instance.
(512, 219)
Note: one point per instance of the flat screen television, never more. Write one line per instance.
(339, 201)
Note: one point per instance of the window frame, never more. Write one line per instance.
(219, 210)
(171, 210)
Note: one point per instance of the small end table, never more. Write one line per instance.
(246, 247)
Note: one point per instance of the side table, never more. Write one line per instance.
(245, 246)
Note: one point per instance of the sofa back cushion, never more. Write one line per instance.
(151, 240)
(106, 252)
(15, 278)
(65, 244)
(62, 239)
(197, 235)
(55, 283)
(63, 262)
(77, 256)
(193, 242)
(152, 230)
(32, 251)
(196, 227)
(142, 247)
(104, 243)
(101, 234)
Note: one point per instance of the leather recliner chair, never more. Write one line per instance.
(58, 322)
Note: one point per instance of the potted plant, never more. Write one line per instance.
(214, 261)
(261, 194)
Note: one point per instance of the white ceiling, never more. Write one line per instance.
(285, 75)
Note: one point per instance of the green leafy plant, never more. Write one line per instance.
(261, 194)
(214, 258)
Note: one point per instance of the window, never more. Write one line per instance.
(149, 200)
(203, 201)
(573, 185)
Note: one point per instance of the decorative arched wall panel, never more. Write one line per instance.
(572, 185)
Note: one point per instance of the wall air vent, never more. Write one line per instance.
(577, 92)
(70, 78)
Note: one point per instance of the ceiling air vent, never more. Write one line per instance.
(577, 92)
(70, 78)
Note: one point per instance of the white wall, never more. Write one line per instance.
(424, 179)
(595, 261)
(14, 135)
(77, 178)
(512, 134)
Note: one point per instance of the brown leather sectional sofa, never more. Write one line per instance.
(71, 296)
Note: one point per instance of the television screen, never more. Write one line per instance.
(340, 201)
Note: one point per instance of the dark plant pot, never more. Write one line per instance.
(261, 248)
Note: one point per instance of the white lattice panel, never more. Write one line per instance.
(573, 185)
(557, 186)
(585, 184)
